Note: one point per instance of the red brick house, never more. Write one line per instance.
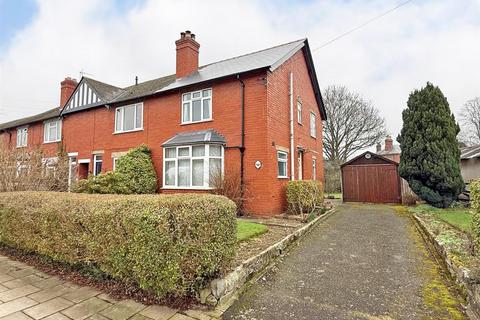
(259, 115)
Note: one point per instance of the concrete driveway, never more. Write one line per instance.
(364, 262)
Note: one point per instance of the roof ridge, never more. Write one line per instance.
(250, 53)
(104, 83)
(154, 79)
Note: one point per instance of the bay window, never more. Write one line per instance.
(129, 118)
(197, 106)
(192, 167)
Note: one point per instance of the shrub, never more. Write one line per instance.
(229, 185)
(166, 244)
(105, 183)
(475, 204)
(137, 168)
(304, 196)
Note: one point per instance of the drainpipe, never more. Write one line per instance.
(292, 146)
(242, 145)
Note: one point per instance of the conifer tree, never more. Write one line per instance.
(430, 159)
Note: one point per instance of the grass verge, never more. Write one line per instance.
(247, 230)
(458, 217)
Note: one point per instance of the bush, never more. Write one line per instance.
(229, 185)
(137, 168)
(475, 204)
(166, 244)
(105, 183)
(304, 196)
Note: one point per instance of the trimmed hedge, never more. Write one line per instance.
(166, 244)
(303, 196)
(475, 204)
(105, 183)
(137, 168)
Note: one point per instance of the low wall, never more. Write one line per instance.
(462, 275)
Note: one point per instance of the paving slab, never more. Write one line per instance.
(17, 316)
(86, 308)
(158, 312)
(179, 316)
(47, 308)
(56, 316)
(123, 310)
(5, 278)
(16, 305)
(47, 294)
(48, 283)
(17, 292)
(80, 294)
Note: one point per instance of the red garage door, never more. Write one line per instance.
(376, 182)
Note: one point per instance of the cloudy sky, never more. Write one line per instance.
(43, 41)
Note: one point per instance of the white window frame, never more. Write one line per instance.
(190, 105)
(299, 111)
(313, 125)
(114, 162)
(206, 165)
(46, 131)
(285, 161)
(122, 118)
(22, 137)
(314, 168)
(95, 161)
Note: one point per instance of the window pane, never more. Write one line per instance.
(198, 165)
(170, 173)
(206, 109)
(206, 93)
(139, 117)
(215, 151)
(118, 120)
(196, 110)
(282, 155)
(186, 112)
(282, 169)
(184, 152)
(129, 118)
(59, 130)
(215, 170)
(170, 153)
(184, 173)
(198, 151)
(186, 97)
(52, 132)
(196, 95)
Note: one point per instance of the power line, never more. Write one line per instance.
(362, 25)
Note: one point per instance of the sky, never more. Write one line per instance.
(44, 41)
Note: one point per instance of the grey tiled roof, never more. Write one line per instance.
(52, 113)
(470, 152)
(144, 88)
(195, 137)
(106, 91)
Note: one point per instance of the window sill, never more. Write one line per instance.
(129, 131)
(48, 142)
(20, 147)
(189, 123)
(187, 188)
(282, 177)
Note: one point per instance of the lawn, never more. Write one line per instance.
(247, 230)
(459, 217)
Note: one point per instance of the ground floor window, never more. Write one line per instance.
(314, 169)
(192, 167)
(97, 164)
(282, 159)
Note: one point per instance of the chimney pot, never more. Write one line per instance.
(379, 147)
(388, 143)
(187, 54)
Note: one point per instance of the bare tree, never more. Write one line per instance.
(470, 122)
(352, 124)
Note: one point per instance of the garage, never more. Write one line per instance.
(371, 178)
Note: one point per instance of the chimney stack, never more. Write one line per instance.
(388, 143)
(67, 87)
(379, 147)
(187, 54)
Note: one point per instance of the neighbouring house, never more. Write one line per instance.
(470, 163)
(390, 151)
(258, 115)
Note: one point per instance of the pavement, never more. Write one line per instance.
(364, 262)
(26, 293)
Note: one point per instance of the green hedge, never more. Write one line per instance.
(105, 183)
(303, 196)
(475, 204)
(166, 244)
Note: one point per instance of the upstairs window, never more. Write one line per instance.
(299, 111)
(313, 125)
(52, 131)
(129, 118)
(22, 137)
(197, 106)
